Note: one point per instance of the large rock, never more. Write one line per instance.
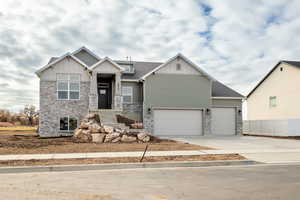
(95, 128)
(108, 129)
(77, 132)
(118, 139)
(126, 138)
(111, 136)
(84, 136)
(144, 137)
(137, 125)
(98, 137)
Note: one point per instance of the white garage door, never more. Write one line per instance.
(223, 121)
(178, 122)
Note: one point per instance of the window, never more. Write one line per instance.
(127, 94)
(178, 66)
(128, 68)
(272, 102)
(67, 124)
(68, 86)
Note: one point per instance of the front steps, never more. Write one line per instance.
(108, 118)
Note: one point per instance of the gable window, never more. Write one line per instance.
(67, 124)
(178, 66)
(68, 86)
(128, 68)
(272, 101)
(127, 94)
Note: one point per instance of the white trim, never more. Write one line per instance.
(131, 94)
(130, 80)
(87, 50)
(67, 131)
(227, 98)
(173, 58)
(68, 91)
(108, 60)
(38, 72)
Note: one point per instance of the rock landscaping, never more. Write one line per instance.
(91, 130)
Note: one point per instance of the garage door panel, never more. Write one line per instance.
(177, 122)
(223, 121)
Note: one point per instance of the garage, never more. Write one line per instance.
(223, 121)
(178, 122)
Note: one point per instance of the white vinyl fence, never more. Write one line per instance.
(281, 127)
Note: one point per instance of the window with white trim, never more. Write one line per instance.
(68, 86)
(67, 124)
(272, 101)
(127, 94)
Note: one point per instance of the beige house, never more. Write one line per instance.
(273, 105)
(277, 95)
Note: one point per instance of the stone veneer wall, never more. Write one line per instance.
(133, 111)
(148, 122)
(52, 109)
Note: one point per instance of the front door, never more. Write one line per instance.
(104, 96)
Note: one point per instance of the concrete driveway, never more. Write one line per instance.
(262, 149)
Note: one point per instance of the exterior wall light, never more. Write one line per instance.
(240, 111)
(207, 110)
(149, 110)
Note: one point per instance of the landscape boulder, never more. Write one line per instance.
(95, 128)
(98, 137)
(110, 137)
(108, 129)
(126, 138)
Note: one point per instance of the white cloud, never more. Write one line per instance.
(237, 42)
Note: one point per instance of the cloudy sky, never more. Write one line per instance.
(237, 42)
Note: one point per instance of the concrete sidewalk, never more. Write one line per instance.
(98, 155)
(265, 156)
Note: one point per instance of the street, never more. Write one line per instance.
(232, 182)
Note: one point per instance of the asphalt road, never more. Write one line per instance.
(237, 182)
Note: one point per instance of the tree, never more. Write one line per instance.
(30, 112)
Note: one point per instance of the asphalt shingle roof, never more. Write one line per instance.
(221, 90)
(142, 68)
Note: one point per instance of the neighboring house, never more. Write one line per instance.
(171, 98)
(273, 104)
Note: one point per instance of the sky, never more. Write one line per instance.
(236, 42)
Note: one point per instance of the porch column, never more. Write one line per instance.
(118, 103)
(93, 96)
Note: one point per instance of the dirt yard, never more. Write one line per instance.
(120, 160)
(27, 142)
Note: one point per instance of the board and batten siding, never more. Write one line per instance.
(177, 91)
(66, 65)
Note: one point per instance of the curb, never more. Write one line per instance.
(62, 168)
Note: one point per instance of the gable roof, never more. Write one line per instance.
(54, 61)
(141, 68)
(221, 90)
(292, 63)
(185, 59)
(108, 60)
(83, 48)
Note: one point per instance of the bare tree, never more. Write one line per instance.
(30, 112)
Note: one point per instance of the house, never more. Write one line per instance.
(172, 98)
(273, 105)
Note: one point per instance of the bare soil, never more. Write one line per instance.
(279, 137)
(120, 160)
(28, 142)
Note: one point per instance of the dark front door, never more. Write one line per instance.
(103, 98)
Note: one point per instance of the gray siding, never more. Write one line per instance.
(184, 91)
(227, 103)
(134, 110)
(176, 91)
(87, 58)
